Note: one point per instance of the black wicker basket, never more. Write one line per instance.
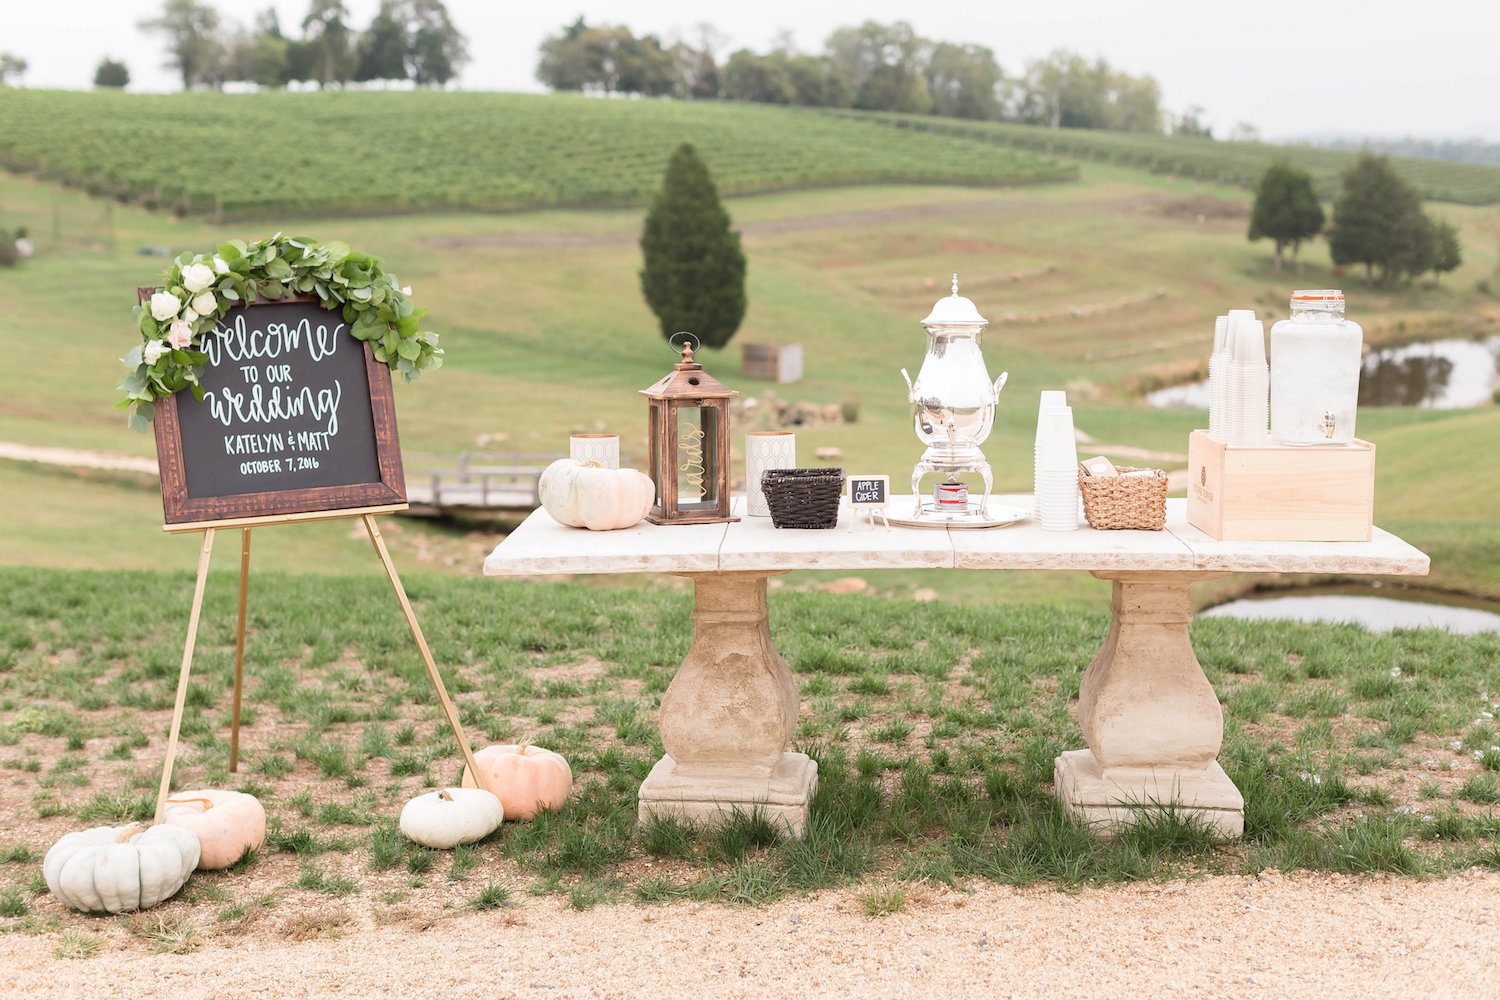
(803, 498)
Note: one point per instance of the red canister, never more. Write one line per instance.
(950, 495)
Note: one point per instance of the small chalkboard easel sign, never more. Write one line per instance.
(297, 423)
(868, 495)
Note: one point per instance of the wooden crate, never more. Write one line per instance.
(781, 363)
(1281, 494)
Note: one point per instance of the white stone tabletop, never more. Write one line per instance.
(542, 547)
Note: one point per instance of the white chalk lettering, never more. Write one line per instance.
(239, 342)
(261, 407)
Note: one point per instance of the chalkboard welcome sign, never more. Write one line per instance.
(297, 416)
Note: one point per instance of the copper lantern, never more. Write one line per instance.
(689, 440)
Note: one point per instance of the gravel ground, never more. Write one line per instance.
(1226, 936)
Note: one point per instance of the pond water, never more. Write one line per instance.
(1435, 374)
(1378, 610)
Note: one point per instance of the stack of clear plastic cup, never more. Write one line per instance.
(1248, 386)
(1056, 470)
(1216, 360)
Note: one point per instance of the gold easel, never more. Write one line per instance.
(367, 515)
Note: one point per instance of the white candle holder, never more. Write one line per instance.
(766, 450)
(601, 449)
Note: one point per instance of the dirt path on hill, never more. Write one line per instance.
(76, 458)
(834, 220)
(1225, 936)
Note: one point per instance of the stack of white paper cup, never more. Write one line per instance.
(1248, 386)
(1056, 465)
(1052, 399)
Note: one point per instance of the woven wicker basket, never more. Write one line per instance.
(1117, 502)
(803, 498)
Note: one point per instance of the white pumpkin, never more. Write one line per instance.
(115, 869)
(589, 496)
(451, 817)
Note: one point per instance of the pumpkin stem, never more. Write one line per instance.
(591, 464)
(521, 747)
(207, 803)
(129, 831)
(445, 795)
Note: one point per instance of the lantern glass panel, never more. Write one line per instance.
(653, 440)
(697, 458)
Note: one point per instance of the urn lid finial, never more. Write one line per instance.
(954, 310)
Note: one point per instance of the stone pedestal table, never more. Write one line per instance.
(1150, 720)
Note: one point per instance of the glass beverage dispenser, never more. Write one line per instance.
(1315, 361)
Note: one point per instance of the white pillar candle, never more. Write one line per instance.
(766, 450)
(601, 449)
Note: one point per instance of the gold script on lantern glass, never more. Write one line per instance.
(696, 456)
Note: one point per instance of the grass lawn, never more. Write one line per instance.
(935, 727)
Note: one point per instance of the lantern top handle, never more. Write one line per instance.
(685, 349)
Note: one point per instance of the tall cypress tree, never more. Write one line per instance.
(694, 273)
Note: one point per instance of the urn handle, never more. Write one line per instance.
(909, 387)
(1000, 382)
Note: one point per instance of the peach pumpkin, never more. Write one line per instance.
(528, 779)
(228, 824)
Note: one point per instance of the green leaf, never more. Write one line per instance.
(197, 391)
(133, 359)
(278, 269)
(409, 349)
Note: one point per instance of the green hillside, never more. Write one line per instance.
(1238, 163)
(254, 155)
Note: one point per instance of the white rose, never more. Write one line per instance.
(153, 351)
(406, 290)
(196, 277)
(164, 306)
(220, 266)
(180, 334)
(190, 314)
(204, 305)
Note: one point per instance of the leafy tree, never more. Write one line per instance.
(815, 82)
(1065, 90)
(1191, 123)
(191, 30)
(1448, 252)
(607, 58)
(697, 68)
(111, 73)
(11, 66)
(438, 49)
(383, 47)
(964, 81)
(326, 28)
(1287, 210)
(883, 65)
(694, 273)
(1378, 222)
(751, 77)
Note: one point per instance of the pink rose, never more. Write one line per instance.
(180, 335)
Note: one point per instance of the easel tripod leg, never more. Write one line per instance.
(165, 788)
(239, 651)
(373, 530)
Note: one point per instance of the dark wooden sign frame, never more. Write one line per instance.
(178, 507)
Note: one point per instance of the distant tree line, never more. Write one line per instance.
(1378, 221)
(1452, 150)
(407, 40)
(875, 67)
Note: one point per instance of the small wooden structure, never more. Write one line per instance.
(1277, 493)
(780, 363)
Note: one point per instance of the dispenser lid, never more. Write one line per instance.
(954, 310)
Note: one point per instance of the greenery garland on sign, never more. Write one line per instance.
(198, 289)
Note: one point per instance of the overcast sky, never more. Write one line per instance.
(1293, 69)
